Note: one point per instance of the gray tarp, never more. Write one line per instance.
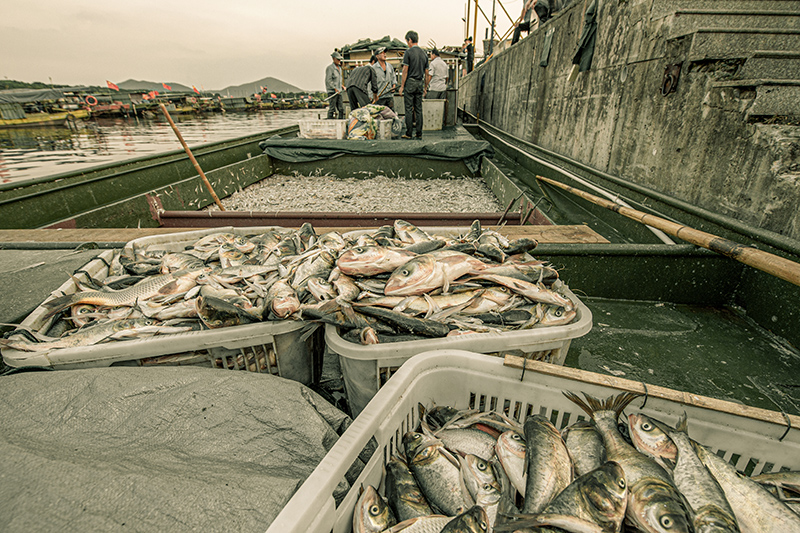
(306, 150)
(156, 449)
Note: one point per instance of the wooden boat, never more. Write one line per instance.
(60, 118)
(665, 311)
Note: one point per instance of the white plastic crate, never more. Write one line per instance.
(384, 129)
(323, 129)
(432, 114)
(265, 347)
(755, 440)
(366, 367)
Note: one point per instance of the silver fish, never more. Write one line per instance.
(755, 508)
(372, 260)
(549, 466)
(372, 514)
(436, 471)
(654, 504)
(402, 492)
(510, 450)
(585, 447)
(473, 520)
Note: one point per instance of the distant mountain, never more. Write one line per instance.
(141, 85)
(272, 85)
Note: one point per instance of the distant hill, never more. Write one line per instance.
(141, 85)
(272, 85)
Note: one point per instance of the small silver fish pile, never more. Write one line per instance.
(473, 472)
(397, 283)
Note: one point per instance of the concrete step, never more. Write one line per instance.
(771, 65)
(665, 8)
(724, 43)
(688, 21)
(775, 101)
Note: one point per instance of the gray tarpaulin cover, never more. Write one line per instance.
(305, 150)
(156, 449)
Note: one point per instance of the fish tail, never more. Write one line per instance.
(612, 403)
(60, 303)
(683, 423)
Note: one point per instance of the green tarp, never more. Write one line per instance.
(306, 150)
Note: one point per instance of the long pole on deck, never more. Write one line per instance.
(775, 265)
(475, 27)
(191, 157)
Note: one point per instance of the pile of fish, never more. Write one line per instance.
(476, 472)
(396, 283)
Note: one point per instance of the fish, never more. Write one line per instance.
(402, 492)
(95, 334)
(172, 262)
(532, 291)
(371, 513)
(436, 471)
(346, 289)
(754, 507)
(650, 437)
(468, 441)
(654, 503)
(711, 512)
(372, 260)
(549, 467)
(421, 524)
(473, 520)
(510, 450)
(585, 447)
(368, 336)
(282, 299)
(595, 501)
(320, 266)
(147, 288)
(320, 288)
(414, 325)
(218, 313)
(482, 484)
(785, 480)
(430, 271)
(554, 315)
(409, 233)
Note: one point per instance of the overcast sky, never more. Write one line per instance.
(213, 44)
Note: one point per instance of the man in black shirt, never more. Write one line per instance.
(470, 50)
(357, 84)
(415, 63)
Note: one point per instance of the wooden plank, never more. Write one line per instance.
(544, 234)
(653, 391)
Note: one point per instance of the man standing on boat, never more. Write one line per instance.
(415, 63)
(529, 20)
(470, 51)
(436, 77)
(386, 79)
(362, 82)
(334, 87)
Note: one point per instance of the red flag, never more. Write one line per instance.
(112, 85)
(152, 94)
(145, 97)
(195, 89)
(273, 95)
(167, 87)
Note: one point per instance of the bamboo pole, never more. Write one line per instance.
(770, 263)
(475, 29)
(191, 157)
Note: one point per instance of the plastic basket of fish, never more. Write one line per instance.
(323, 129)
(155, 323)
(366, 367)
(544, 459)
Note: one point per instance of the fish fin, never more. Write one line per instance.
(612, 403)
(683, 423)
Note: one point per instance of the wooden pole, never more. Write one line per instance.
(191, 157)
(770, 263)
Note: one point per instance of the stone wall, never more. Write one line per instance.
(700, 143)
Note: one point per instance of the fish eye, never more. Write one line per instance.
(666, 522)
(405, 272)
(483, 525)
(481, 465)
(486, 486)
(647, 426)
(559, 312)
(359, 249)
(374, 510)
(515, 436)
(621, 482)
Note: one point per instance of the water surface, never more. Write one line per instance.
(28, 153)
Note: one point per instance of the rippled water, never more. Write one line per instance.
(28, 153)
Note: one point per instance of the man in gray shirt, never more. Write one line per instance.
(436, 77)
(415, 63)
(334, 87)
(386, 79)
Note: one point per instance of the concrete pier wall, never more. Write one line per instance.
(727, 139)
